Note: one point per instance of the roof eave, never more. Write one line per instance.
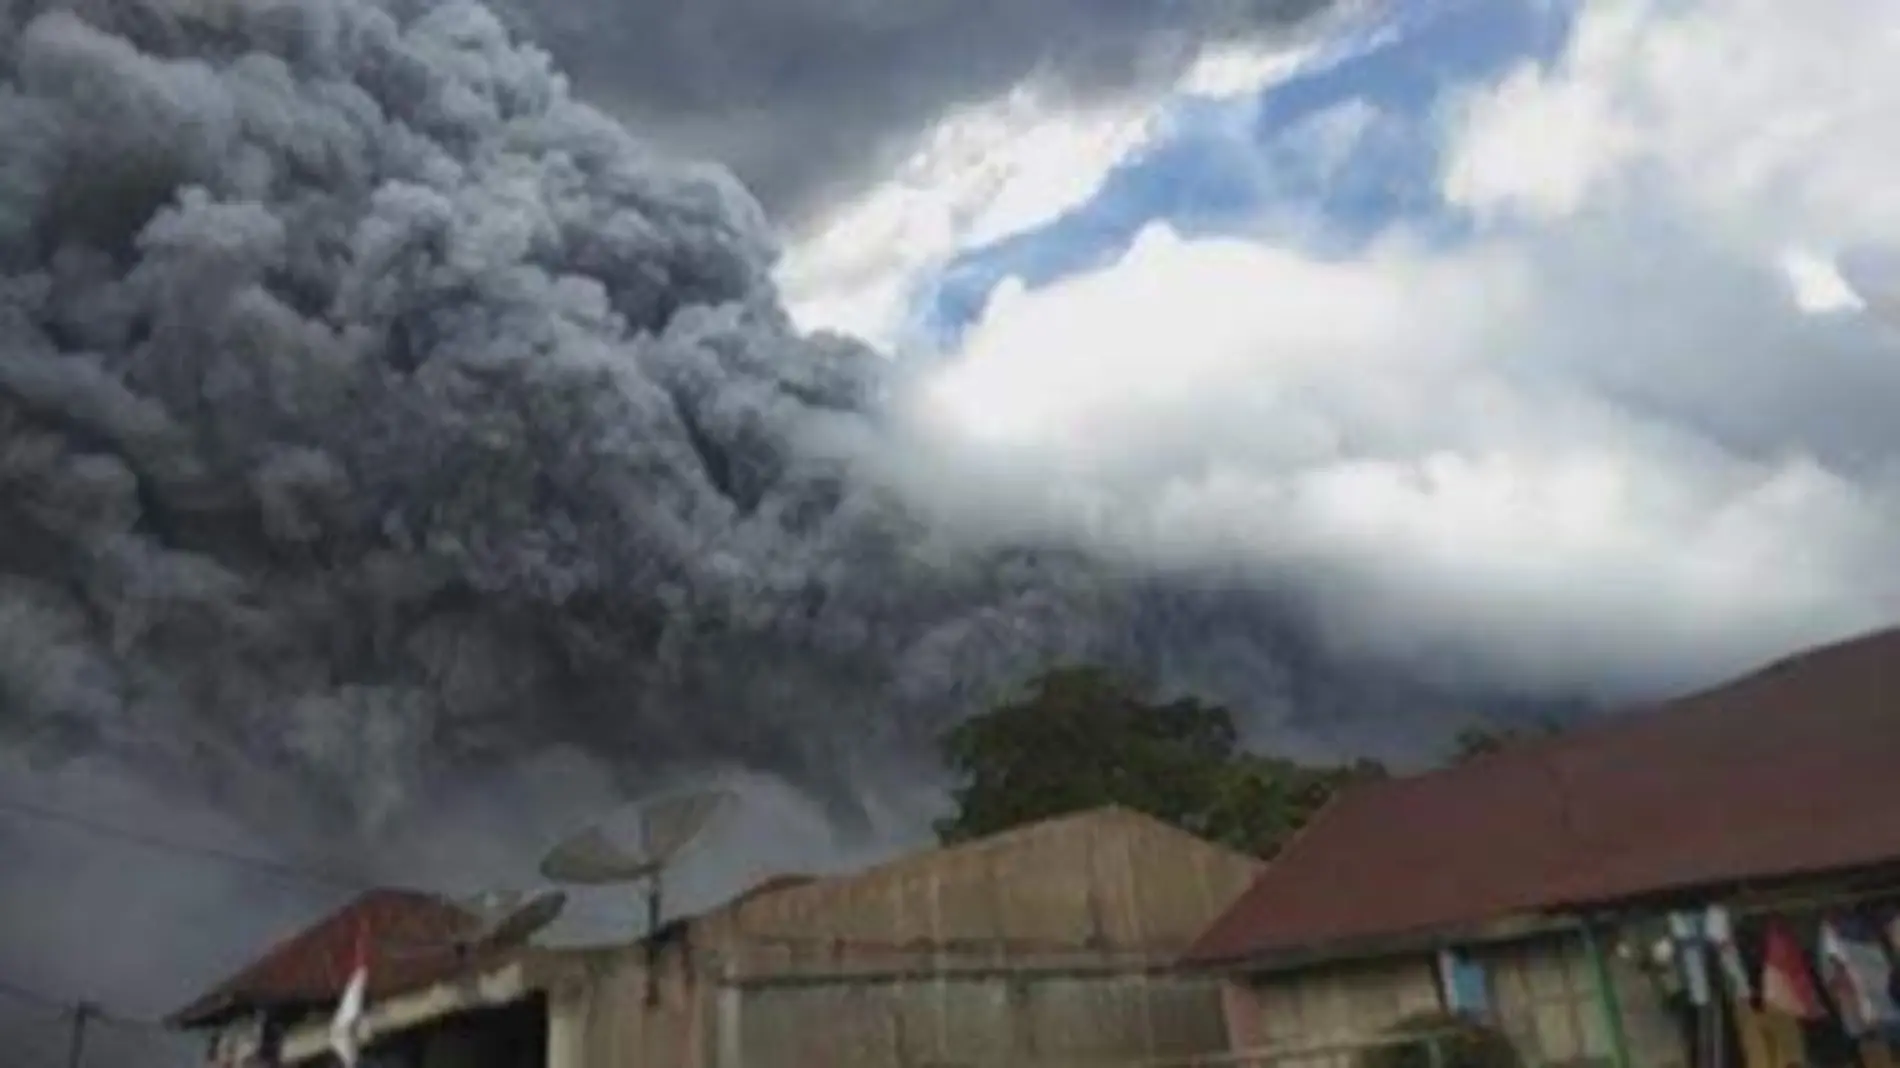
(1342, 950)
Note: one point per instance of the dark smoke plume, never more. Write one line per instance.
(372, 411)
(376, 417)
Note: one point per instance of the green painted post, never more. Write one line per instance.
(1606, 997)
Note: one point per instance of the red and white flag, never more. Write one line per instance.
(1787, 986)
(346, 1028)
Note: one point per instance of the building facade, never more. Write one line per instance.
(1609, 897)
(1051, 944)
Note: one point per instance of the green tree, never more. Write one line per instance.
(1080, 738)
(1474, 742)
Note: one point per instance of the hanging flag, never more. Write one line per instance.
(1786, 985)
(1686, 930)
(1857, 973)
(1720, 928)
(346, 1028)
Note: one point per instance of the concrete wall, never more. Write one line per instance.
(1111, 880)
(1543, 994)
(967, 1012)
(1035, 946)
(601, 1014)
(1317, 1017)
(976, 1021)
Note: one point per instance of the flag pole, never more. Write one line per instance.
(76, 1049)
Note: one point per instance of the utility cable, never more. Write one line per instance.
(275, 868)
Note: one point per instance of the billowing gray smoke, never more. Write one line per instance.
(374, 415)
(370, 407)
(372, 410)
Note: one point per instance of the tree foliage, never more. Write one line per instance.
(1474, 742)
(1080, 738)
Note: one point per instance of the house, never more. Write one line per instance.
(1051, 943)
(1550, 866)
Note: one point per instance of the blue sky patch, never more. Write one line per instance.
(1328, 158)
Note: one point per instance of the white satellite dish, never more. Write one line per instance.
(511, 921)
(590, 858)
(667, 826)
(496, 921)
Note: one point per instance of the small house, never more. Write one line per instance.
(1610, 897)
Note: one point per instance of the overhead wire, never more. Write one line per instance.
(292, 872)
(276, 868)
(63, 1008)
(32, 997)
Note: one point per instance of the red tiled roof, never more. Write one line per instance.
(312, 966)
(1792, 770)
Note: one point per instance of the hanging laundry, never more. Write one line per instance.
(1857, 973)
(1659, 960)
(1463, 980)
(1685, 929)
(1758, 1049)
(1787, 1039)
(1719, 926)
(1787, 986)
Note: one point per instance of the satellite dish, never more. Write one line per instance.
(497, 921)
(516, 925)
(667, 826)
(670, 824)
(590, 858)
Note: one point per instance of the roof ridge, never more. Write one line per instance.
(1683, 787)
(310, 939)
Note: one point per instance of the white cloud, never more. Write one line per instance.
(1600, 441)
(988, 171)
(1771, 118)
(1817, 284)
(1539, 145)
(982, 173)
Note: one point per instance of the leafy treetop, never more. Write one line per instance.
(1081, 738)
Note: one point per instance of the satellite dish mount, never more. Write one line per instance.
(667, 827)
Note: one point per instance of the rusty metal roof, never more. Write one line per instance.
(1789, 771)
(312, 966)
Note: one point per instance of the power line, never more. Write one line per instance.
(275, 868)
(278, 869)
(33, 997)
(65, 1007)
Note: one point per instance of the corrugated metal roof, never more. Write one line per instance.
(312, 966)
(1792, 770)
